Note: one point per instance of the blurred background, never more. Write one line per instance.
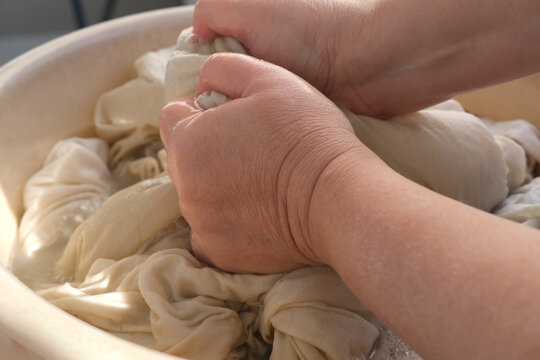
(25, 24)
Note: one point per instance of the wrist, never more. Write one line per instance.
(343, 197)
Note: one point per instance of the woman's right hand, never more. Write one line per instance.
(383, 57)
(318, 40)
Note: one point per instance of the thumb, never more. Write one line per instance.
(236, 75)
(176, 114)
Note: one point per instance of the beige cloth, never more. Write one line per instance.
(129, 268)
(127, 116)
(127, 221)
(308, 312)
(463, 162)
(523, 205)
(72, 184)
(522, 132)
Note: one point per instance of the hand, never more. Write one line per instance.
(383, 57)
(317, 40)
(245, 171)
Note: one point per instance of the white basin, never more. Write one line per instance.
(49, 94)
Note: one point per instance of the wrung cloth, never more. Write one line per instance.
(442, 148)
(128, 269)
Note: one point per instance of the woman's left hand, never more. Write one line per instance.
(245, 171)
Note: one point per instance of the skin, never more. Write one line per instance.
(239, 202)
(366, 54)
(267, 186)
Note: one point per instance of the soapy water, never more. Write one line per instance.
(389, 346)
(396, 348)
(38, 248)
(33, 262)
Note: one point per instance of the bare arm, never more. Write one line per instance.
(385, 57)
(433, 50)
(453, 281)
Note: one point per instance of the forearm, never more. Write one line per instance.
(432, 50)
(454, 282)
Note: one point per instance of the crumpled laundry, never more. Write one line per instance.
(71, 186)
(126, 117)
(73, 183)
(523, 205)
(127, 268)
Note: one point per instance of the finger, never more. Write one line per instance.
(235, 75)
(220, 17)
(172, 115)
